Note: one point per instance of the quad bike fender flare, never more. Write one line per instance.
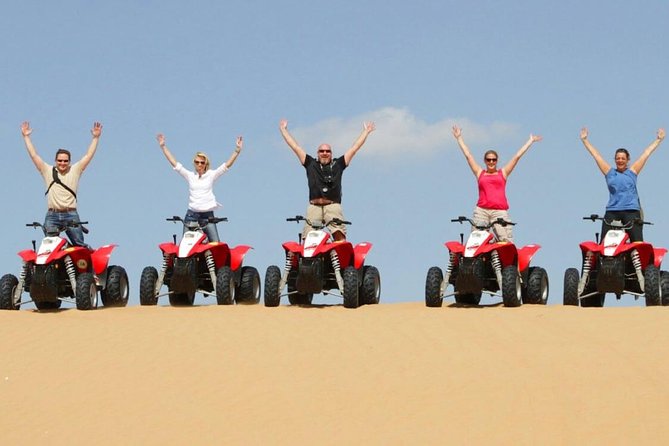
(590, 247)
(645, 250)
(525, 255)
(359, 253)
(345, 252)
(169, 248)
(28, 255)
(659, 256)
(100, 258)
(508, 254)
(237, 256)
(293, 247)
(455, 247)
(220, 251)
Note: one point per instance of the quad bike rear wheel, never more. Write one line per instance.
(433, 283)
(186, 269)
(272, 291)
(350, 293)
(86, 294)
(653, 290)
(537, 287)
(511, 290)
(225, 286)
(116, 292)
(8, 284)
(248, 291)
(370, 288)
(147, 286)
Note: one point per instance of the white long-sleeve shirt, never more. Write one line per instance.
(201, 188)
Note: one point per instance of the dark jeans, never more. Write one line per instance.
(635, 232)
(201, 217)
(55, 220)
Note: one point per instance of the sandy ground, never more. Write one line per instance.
(387, 374)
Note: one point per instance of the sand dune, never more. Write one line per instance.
(387, 374)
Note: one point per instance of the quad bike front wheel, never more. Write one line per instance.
(225, 286)
(664, 284)
(370, 288)
(272, 291)
(433, 287)
(652, 286)
(115, 294)
(511, 289)
(8, 284)
(350, 293)
(537, 287)
(248, 291)
(86, 294)
(570, 289)
(147, 286)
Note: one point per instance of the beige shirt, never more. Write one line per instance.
(58, 197)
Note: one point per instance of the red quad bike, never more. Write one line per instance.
(616, 265)
(486, 265)
(58, 272)
(320, 265)
(197, 265)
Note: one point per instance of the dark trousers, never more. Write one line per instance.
(635, 232)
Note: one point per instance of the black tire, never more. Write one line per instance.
(248, 291)
(350, 293)
(225, 286)
(664, 285)
(116, 292)
(147, 286)
(468, 298)
(570, 289)
(184, 268)
(8, 284)
(537, 286)
(295, 298)
(653, 290)
(433, 287)
(86, 295)
(272, 291)
(511, 290)
(370, 288)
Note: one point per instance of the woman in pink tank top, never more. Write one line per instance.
(492, 203)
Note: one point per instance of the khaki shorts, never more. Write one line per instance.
(504, 233)
(325, 214)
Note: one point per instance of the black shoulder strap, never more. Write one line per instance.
(56, 179)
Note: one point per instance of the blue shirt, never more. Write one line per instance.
(623, 195)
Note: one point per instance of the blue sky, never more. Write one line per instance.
(204, 72)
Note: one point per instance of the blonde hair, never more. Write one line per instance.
(206, 159)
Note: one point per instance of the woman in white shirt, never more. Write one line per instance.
(201, 199)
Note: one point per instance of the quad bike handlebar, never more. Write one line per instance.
(56, 230)
(499, 221)
(318, 224)
(617, 223)
(213, 220)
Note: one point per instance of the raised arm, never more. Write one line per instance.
(299, 151)
(457, 134)
(638, 164)
(367, 128)
(603, 165)
(26, 131)
(235, 153)
(508, 168)
(161, 142)
(96, 131)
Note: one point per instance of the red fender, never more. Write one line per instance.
(590, 247)
(237, 256)
(344, 250)
(28, 255)
(508, 254)
(293, 247)
(525, 254)
(169, 248)
(455, 247)
(359, 253)
(659, 255)
(100, 258)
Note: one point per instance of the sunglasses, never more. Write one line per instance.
(325, 151)
(62, 161)
(490, 160)
(200, 162)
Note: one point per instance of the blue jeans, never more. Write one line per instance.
(201, 217)
(56, 221)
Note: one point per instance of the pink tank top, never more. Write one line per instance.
(492, 191)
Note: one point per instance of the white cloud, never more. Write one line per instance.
(399, 132)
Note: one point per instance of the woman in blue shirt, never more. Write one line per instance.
(623, 202)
